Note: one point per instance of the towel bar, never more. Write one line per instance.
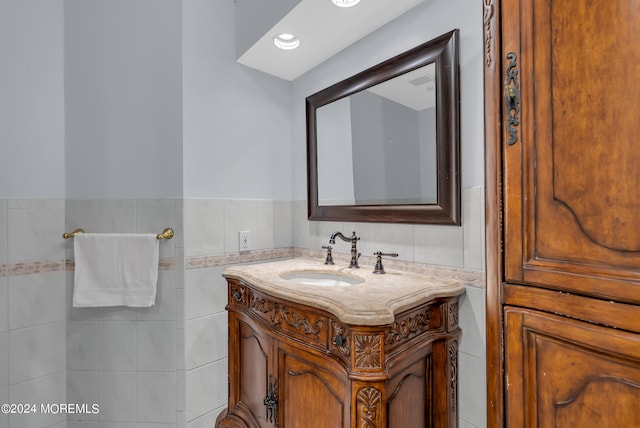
(166, 234)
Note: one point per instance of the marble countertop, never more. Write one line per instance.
(374, 301)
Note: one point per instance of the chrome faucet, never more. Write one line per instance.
(354, 249)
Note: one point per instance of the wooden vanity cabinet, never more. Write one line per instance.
(294, 366)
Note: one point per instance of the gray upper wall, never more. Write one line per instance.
(146, 102)
(32, 135)
(123, 98)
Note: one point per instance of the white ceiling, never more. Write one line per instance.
(324, 29)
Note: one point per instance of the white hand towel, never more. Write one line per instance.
(115, 269)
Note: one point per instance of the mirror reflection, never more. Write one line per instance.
(378, 146)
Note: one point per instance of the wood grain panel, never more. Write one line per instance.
(254, 367)
(565, 368)
(314, 398)
(409, 404)
(571, 195)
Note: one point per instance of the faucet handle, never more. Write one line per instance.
(379, 269)
(329, 259)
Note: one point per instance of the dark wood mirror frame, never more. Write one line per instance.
(443, 51)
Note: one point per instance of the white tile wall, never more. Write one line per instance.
(439, 245)
(205, 421)
(472, 382)
(156, 425)
(117, 313)
(116, 216)
(4, 398)
(4, 361)
(118, 396)
(42, 390)
(206, 292)
(206, 389)
(203, 227)
(157, 346)
(103, 424)
(472, 358)
(82, 345)
(180, 390)
(395, 238)
(165, 308)
(180, 304)
(166, 367)
(240, 215)
(205, 340)
(156, 397)
(83, 387)
(36, 299)
(128, 359)
(82, 424)
(282, 224)
(473, 227)
(117, 345)
(4, 305)
(36, 351)
(472, 322)
(32, 309)
(205, 328)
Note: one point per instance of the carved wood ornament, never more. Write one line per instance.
(368, 352)
(368, 402)
(453, 358)
(489, 11)
(407, 328)
(278, 313)
(453, 315)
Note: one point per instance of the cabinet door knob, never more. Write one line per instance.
(339, 340)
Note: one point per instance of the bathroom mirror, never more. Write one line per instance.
(383, 145)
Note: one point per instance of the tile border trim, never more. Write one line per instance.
(468, 277)
(46, 266)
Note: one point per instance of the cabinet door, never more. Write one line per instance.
(410, 401)
(312, 391)
(565, 373)
(254, 360)
(572, 176)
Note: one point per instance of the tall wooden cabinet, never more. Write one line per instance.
(562, 127)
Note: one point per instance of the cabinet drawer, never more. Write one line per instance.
(285, 318)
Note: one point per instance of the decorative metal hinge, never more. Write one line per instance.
(512, 98)
(271, 401)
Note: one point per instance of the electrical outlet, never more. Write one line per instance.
(244, 237)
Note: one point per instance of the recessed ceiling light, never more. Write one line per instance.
(286, 41)
(345, 3)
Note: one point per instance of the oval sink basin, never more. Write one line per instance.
(326, 279)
